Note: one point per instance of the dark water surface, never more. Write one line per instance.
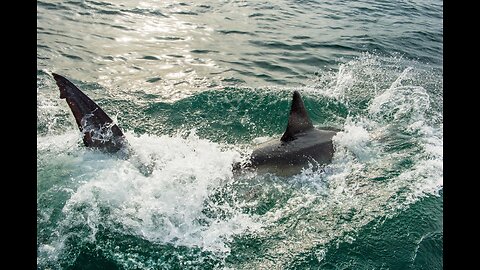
(196, 85)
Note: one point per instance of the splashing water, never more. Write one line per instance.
(193, 209)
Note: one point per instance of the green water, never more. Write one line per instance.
(195, 86)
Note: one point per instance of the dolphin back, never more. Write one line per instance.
(301, 144)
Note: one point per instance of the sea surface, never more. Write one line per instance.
(195, 85)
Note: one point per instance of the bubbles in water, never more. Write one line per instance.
(389, 154)
(169, 206)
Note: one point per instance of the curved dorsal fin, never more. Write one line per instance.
(298, 121)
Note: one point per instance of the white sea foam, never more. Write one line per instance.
(385, 160)
(357, 139)
(166, 206)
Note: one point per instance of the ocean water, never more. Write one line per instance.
(195, 85)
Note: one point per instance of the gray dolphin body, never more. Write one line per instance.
(300, 145)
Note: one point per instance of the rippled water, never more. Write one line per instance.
(195, 85)
(181, 47)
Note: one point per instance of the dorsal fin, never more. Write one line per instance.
(298, 121)
(98, 128)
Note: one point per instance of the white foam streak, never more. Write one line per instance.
(58, 143)
(388, 156)
(385, 160)
(167, 205)
(356, 139)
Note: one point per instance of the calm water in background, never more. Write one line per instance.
(195, 85)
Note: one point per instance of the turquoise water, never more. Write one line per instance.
(195, 85)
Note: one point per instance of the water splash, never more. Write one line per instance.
(388, 156)
(166, 207)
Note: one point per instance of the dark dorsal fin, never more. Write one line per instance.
(298, 121)
(98, 129)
